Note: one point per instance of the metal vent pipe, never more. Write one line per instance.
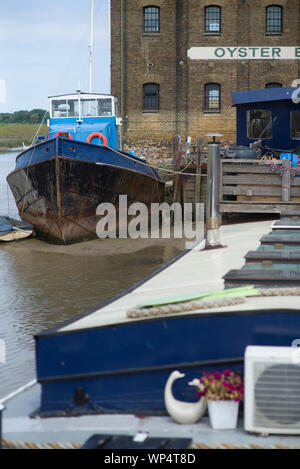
(212, 195)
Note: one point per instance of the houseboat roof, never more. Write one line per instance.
(258, 96)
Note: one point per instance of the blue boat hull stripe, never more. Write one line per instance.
(142, 370)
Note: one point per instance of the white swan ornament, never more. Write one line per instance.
(183, 412)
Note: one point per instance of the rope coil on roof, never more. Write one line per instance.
(188, 306)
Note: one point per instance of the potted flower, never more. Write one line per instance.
(223, 391)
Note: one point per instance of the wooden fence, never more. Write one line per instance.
(259, 186)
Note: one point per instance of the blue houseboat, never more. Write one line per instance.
(269, 115)
(59, 182)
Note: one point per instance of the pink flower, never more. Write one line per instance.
(227, 373)
(217, 375)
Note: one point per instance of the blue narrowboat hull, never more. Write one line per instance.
(58, 185)
(124, 367)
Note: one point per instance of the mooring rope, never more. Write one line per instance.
(288, 291)
(186, 306)
(194, 446)
(29, 445)
(245, 446)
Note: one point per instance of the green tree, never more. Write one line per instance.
(35, 116)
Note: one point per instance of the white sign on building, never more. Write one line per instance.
(244, 53)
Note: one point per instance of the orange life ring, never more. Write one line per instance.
(97, 134)
(62, 132)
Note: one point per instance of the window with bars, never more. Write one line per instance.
(212, 98)
(212, 19)
(274, 19)
(151, 19)
(151, 97)
(273, 85)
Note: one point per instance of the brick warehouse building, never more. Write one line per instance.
(162, 91)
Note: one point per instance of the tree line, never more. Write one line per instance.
(35, 116)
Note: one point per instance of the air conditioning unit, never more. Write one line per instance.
(272, 390)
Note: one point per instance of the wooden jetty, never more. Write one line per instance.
(259, 186)
(246, 186)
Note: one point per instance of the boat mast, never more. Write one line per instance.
(91, 47)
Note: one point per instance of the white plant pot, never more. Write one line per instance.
(223, 415)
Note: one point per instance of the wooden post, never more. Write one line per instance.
(176, 149)
(286, 182)
(177, 156)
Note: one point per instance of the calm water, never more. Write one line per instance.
(41, 285)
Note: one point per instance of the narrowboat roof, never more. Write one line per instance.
(166, 283)
(259, 96)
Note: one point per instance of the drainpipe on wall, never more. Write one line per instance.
(122, 74)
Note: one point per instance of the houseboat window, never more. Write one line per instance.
(151, 19)
(89, 107)
(73, 108)
(64, 108)
(212, 19)
(274, 19)
(259, 123)
(105, 107)
(60, 108)
(212, 97)
(273, 85)
(295, 124)
(96, 107)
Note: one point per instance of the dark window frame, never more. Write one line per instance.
(268, 19)
(206, 10)
(147, 107)
(156, 19)
(250, 116)
(207, 88)
(276, 83)
(293, 127)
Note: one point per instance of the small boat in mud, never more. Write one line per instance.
(12, 230)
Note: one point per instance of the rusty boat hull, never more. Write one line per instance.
(58, 185)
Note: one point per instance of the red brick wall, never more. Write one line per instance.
(156, 58)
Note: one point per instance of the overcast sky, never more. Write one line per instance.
(44, 50)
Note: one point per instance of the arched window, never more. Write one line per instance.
(150, 96)
(212, 17)
(212, 98)
(151, 19)
(273, 85)
(274, 19)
